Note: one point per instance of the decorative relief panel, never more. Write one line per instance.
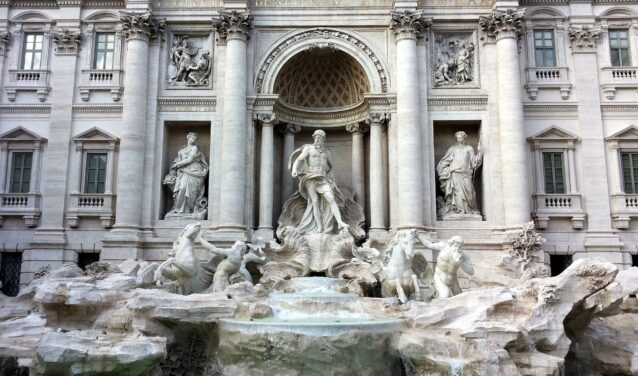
(454, 59)
(189, 60)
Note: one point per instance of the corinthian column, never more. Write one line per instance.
(377, 209)
(507, 27)
(266, 171)
(287, 181)
(138, 28)
(358, 162)
(234, 27)
(407, 26)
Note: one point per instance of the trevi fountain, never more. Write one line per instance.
(320, 300)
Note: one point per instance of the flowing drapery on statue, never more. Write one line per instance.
(456, 174)
(186, 180)
(319, 206)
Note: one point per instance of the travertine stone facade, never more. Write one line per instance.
(94, 106)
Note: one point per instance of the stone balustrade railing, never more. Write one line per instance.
(87, 205)
(614, 78)
(569, 206)
(28, 80)
(547, 78)
(25, 205)
(101, 80)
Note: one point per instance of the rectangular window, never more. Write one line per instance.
(21, 172)
(619, 46)
(629, 163)
(32, 51)
(104, 51)
(544, 48)
(554, 172)
(10, 268)
(95, 174)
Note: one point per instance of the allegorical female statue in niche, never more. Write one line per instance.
(456, 174)
(187, 181)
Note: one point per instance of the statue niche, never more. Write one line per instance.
(186, 181)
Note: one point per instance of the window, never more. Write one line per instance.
(32, 53)
(95, 173)
(10, 272)
(554, 174)
(629, 162)
(619, 46)
(104, 51)
(559, 263)
(544, 48)
(21, 172)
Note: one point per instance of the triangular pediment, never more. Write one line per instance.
(629, 133)
(95, 135)
(554, 134)
(20, 134)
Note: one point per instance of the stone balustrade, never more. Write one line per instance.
(624, 207)
(569, 206)
(547, 78)
(28, 80)
(91, 205)
(614, 78)
(101, 80)
(25, 205)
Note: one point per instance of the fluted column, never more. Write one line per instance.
(234, 27)
(266, 171)
(358, 162)
(377, 199)
(287, 181)
(138, 28)
(407, 26)
(507, 27)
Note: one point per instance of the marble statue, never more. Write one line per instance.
(230, 265)
(312, 164)
(451, 258)
(402, 267)
(456, 174)
(182, 56)
(464, 63)
(183, 266)
(198, 73)
(187, 181)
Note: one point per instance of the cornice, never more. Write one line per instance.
(25, 109)
(109, 4)
(449, 103)
(549, 108)
(34, 4)
(187, 104)
(624, 107)
(97, 108)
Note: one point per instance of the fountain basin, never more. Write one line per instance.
(309, 346)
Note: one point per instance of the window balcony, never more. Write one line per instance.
(614, 78)
(91, 205)
(624, 207)
(101, 80)
(547, 78)
(548, 206)
(25, 205)
(28, 80)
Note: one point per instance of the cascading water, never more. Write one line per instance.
(313, 331)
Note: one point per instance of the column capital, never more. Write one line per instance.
(376, 118)
(408, 24)
(290, 128)
(233, 25)
(141, 26)
(583, 38)
(503, 24)
(66, 41)
(267, 120)
(357, 128)
(4, 41)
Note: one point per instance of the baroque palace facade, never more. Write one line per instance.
(99, 96)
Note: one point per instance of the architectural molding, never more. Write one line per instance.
(408, 24)
(97, 108)
(625, 107)
(583, 38)
(233, 25)
(503, 24)
(25, 109)
(141, 25)
(355, 46)
(448, 103)
(358, 128)
(549, 108)
(187, 104)
(66, 41)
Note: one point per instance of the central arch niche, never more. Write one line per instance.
(322, 78)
